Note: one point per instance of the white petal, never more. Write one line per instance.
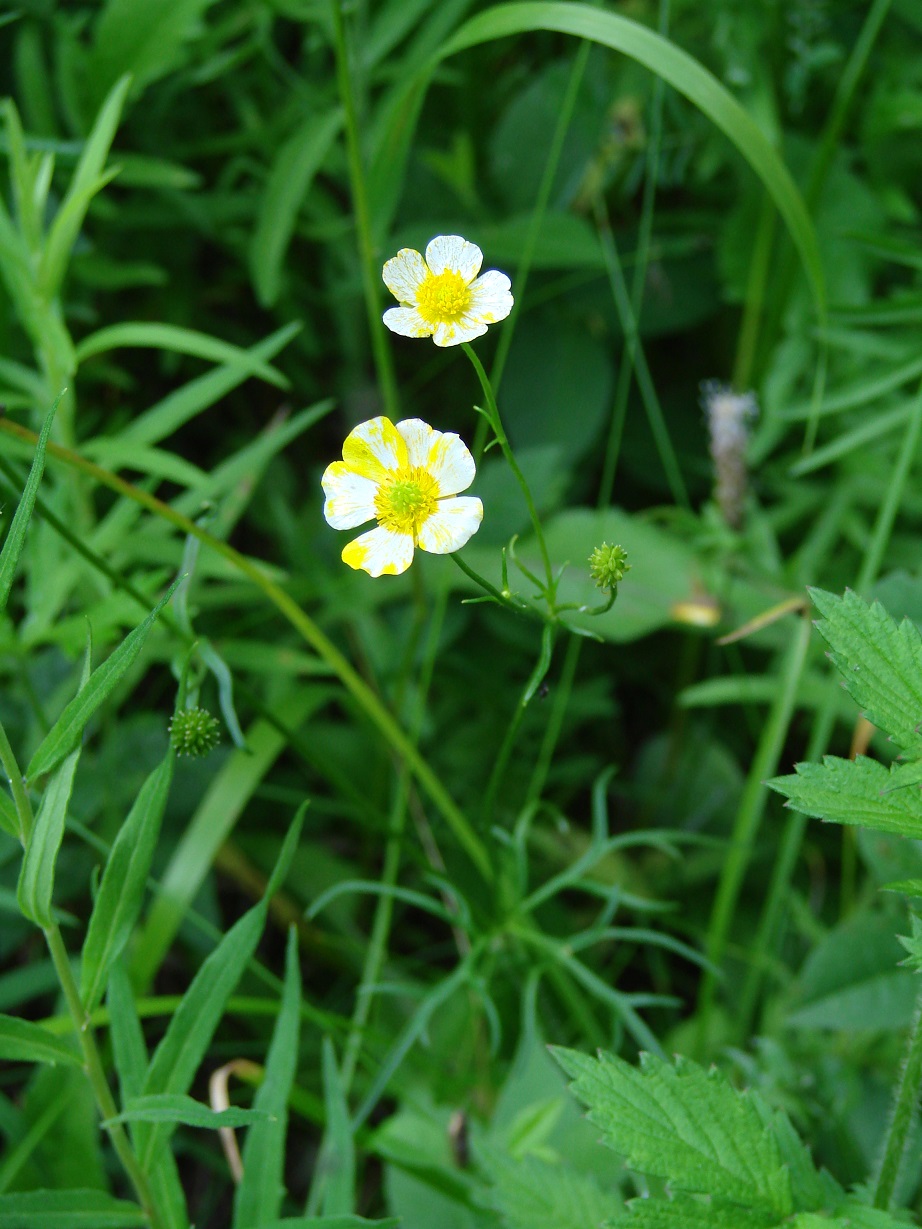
(490, 298)
(454, 332)
(350, 497)
(419, 438)
(373, 449)
(453, 252)
(455, 523)
(450, 463)
(404, 273)
(407, 322)
(380, 552)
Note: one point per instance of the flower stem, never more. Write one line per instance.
(370, 266)
(93, 1067)
(503, 441)
(905, 1101)
(20, 797)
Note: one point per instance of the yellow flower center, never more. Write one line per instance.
(443, 296)
(406, 500)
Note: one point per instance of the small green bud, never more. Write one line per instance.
(607, 566)
(193, 731)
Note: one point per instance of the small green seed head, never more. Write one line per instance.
(194, 731)
(607, 566)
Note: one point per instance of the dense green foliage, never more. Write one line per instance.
(525, 794)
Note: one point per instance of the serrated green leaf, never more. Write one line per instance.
(259, 1196)
(880, 662)
(68, 1210)
(12, 547)
(534, 1194)
(683, 1212)
(179, 1109)
(121, 891)
(24, 1042)
(36, 879)
(685, 1125)
(68, 729)
(853, 792)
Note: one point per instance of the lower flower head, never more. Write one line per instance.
(607, 566)
(441, 296)
(406, 477)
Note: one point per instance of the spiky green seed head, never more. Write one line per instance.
(607, 566)
(194, 731)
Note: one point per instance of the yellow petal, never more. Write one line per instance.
(374, 448)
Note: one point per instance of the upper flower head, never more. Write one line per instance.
(405, 477)
(441, 297)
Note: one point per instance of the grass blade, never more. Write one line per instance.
(12, 547)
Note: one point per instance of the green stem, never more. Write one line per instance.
(371, 267)
(534, 682)
(904, 1105)
(752, 807)
(883, 526)
(634, 350)
(20, 797)
(759, 273)
(373, 708)
(503, 441)
(97, 1076)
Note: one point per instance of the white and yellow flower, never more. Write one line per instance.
(406, 477)
(442, 297)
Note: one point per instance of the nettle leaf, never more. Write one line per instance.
(859, 791)
(687, 1126)
(686, 1212)
(532, 1193)
(880, 661)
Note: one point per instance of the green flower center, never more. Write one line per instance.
(405, 501)
(443, 296)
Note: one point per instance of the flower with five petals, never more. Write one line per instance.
(441, 296)
(407, 477)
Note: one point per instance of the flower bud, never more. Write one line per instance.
(194, 731)
(607, 566)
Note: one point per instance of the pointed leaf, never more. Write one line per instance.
(180, 1109)
(36, 879)
(121, 892)
(12, 547)
(259, 1196)
(24, 1042)
(68, 729)
(68, 1210)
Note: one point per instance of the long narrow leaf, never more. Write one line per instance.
(12, 547)
(36, 879)
(118, 901)
(259, 1195)
(684, 74)
(22, 1041)
(68, 1210)
(68, 729)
